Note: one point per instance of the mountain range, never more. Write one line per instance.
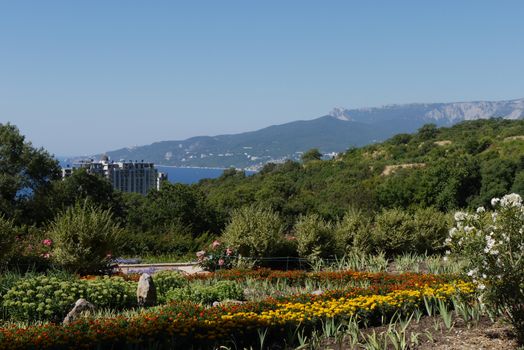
(335, 132)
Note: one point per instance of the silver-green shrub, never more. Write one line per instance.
(254, 231)
(431, 229)
(315, 237)
(393, 232)
(352, 233)
(85, 239)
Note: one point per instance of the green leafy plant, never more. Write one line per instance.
(254, 231)
(314, 236)
(222, 290)
(85, 238)
(50, 298)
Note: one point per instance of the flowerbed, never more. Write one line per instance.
(185, 325)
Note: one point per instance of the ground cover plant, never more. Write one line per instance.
(183, 324)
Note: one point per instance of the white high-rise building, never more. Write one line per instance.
(139, 177)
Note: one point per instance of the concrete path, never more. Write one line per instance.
(188, 268)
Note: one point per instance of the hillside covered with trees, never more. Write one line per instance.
(408, 185)
(463, 166)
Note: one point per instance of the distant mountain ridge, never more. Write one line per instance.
(339, 130)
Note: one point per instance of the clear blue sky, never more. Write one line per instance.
(81, 77)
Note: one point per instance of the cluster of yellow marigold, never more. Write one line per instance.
(297, 312)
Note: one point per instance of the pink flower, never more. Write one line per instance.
(47, 242)
(46, 255)
(200, 254)
(215, 244)
(229, 251)
(220, 262)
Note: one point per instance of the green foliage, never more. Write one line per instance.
(220, 291)
(431, 229)
(7, 240)
(25, 174)
(471, 162)
(50, 298)
(352, 233)
(174, 205)
(254, 231)
(315, 238)
(82, 186)
(85, 238)
(166, 281)
(312, 154)
(393, 232)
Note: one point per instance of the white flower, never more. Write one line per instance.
(468, 229)
(473, 272)
(511, 200)
(495, 201)
(452, 231)
(481, 286)
(480, 210)
(490, 242)
(460, 216)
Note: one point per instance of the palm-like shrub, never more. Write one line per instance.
(431, 229)
(254, 231)
(393, 232)
(352, 233)
(85, 238)
(315, 238)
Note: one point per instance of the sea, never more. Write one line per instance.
(192, 175)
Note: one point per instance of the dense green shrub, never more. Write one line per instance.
(315, 238)
(393, 232)
(85, 238)
(353, 232)
(50, 298)
(222, 290)
(431, 229)
(254, 231)
(7, 240)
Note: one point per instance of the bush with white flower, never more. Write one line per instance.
(493, 244)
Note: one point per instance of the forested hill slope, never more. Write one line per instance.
(335, 132)
(448, 168)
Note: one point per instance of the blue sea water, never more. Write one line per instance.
(191, 175)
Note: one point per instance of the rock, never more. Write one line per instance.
(146, 291)
(82, 306)
(317, 292)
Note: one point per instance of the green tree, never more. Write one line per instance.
(25, 172)
(7, 240)
(312, 154)
(178, 204)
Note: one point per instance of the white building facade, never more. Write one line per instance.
(138, 177)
